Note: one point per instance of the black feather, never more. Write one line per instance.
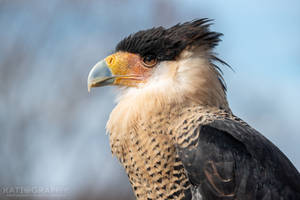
(233, 161)
(167, 44)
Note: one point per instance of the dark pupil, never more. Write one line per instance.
(149, 58)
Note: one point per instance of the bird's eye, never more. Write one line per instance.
(149, 61)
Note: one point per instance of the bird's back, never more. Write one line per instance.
(230, 160)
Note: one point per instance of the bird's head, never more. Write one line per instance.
(178, 59)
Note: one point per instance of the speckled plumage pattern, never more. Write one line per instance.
(170, 156)
(149, 155)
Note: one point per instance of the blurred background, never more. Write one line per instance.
(52, 131)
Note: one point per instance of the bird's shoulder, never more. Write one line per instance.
(193, 118)
(224, 156)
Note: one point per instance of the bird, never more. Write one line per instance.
(172, 128)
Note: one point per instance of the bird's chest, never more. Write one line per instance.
(151, 162)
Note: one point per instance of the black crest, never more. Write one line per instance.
(166, 44)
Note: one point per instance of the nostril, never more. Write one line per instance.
(110, 60)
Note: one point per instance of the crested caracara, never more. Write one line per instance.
(172, 128)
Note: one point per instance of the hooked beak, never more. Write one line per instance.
(121, 68)
(100, 75)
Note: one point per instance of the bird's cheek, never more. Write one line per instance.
(129, 69)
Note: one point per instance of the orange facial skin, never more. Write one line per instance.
(128, 68)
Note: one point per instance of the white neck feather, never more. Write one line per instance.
(190, 80)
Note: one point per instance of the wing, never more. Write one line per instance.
(227, 160)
